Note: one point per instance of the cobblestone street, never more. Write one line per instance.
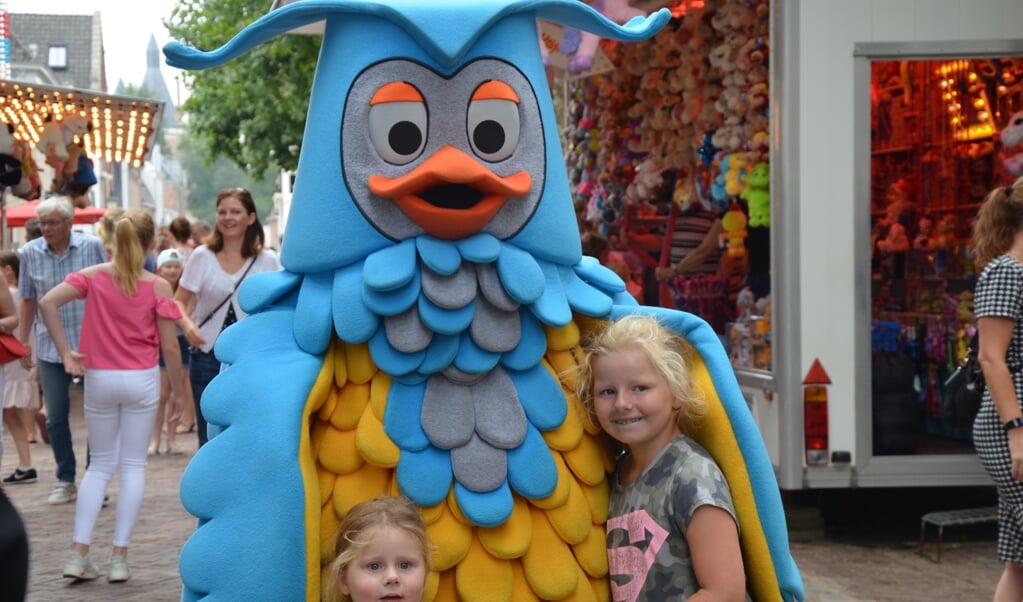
(872, 564)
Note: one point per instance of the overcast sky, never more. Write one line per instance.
(127, 25)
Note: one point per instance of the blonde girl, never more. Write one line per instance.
(635, 380)
(129, 318)
(381, 550)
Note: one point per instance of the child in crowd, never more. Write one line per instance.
(168, 267)
(129, 319)
(381, 551)
(21, 400)
(635, 380)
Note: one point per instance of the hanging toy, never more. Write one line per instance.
(733, 222)
(758, 195)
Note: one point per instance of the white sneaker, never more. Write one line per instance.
(79, 567)
(63, 493)
(118, 569)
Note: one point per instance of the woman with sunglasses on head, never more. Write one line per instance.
(209, 285)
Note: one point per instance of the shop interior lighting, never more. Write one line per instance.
(122, 126)
(960, 84)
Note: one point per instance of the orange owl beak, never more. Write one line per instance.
(451, 195)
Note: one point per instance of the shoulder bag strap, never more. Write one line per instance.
(228, 298)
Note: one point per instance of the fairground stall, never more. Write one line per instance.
(41, 120)
(840, 150)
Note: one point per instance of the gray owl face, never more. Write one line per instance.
(446, 156)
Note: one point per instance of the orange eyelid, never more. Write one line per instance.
(495, 90)
(396, 92)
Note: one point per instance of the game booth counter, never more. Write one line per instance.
(845, 149)
(41, 120)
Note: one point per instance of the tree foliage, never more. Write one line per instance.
(251, 110)
(206, 179)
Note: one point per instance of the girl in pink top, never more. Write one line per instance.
(129, 317)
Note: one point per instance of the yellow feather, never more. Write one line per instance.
(511, 539)
(592, 552)
(446, 591)
(598, 497)
(572, 520)
(379, 388)
(567, 435)
(451, 538)
(319, 430)
(373, 442)
(329, 405)
(551, 568)
(584, 592)
(351, 401)
(364, 484)
(430, 514)
(563, 337)
(523, 593)
(480, 576)
(338, 453)
(454, 509)
(601, 588)
(586, 461)
(329, 523)
(432, 584)
(326, 481)
(360, 365)
(340, 352)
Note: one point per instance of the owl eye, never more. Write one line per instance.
(493, 121)
(398, 130)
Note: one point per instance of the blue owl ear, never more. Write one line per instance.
(421, 20)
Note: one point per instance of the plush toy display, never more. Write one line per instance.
(421, 337)
(1012, 145)
(58, 134)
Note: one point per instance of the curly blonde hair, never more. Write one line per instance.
(669, 354)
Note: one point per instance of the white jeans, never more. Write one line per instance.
(120, 407)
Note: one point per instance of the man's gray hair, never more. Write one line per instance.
(56, 204)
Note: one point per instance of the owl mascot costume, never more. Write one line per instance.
(421, 337)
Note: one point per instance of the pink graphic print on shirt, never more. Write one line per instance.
(633, 560)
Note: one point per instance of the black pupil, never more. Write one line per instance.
(488, 137)
(405, 138)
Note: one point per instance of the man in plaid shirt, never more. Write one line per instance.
(45, 262)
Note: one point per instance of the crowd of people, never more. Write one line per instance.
(115, 311)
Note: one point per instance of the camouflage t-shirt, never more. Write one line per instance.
(646, 527)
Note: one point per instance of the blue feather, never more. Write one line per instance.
(425, 475)
(541, 397)
(531, 469)
(439, 255)
(402, 416)
(488, 509)
(353, 320)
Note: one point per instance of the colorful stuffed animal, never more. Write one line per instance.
(1012, 145)
(57, 135)
(422, 336)
(758, 195)
(733, 222)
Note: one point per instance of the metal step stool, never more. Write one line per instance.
(954, 518)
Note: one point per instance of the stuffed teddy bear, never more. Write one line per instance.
(58, 134)
(1012, 145)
